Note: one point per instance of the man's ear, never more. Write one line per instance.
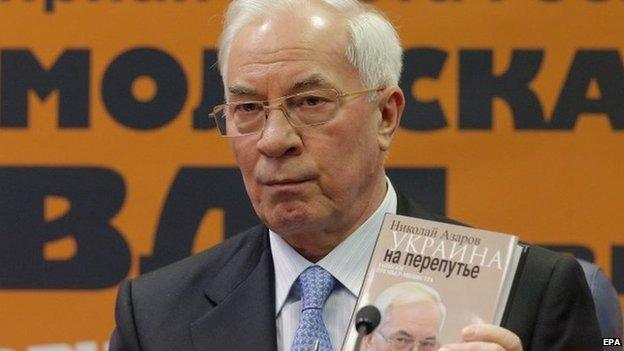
(391, 105)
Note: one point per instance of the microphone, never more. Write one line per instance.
(366, 320)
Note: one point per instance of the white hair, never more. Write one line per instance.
(409, 292)
(373, 44)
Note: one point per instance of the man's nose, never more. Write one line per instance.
(279, 137)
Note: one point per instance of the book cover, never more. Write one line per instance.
(430, 279)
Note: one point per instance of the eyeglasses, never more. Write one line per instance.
(400, 342)
(305, 109)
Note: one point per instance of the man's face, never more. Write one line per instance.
(410, 327)
(317, 179)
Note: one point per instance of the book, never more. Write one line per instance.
(430, 279)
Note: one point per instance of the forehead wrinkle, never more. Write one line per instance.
(310, 81)
(281, 55)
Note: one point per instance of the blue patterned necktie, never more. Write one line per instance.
(316, 284)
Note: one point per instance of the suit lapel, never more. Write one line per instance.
(408, 207)
(243, 294)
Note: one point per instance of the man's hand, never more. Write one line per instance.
(486, 337)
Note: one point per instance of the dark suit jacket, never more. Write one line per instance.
(224, 299)
(606, 300)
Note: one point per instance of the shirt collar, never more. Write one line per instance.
(347, 262)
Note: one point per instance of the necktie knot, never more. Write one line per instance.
(316, 284)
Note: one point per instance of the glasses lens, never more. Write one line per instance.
(240, 118)
(218, 115)
(428, 345)
(313, 107)
(400, 342)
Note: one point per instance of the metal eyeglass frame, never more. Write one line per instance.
(268, 105)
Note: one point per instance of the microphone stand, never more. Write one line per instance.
(361, 333)
(366, 320)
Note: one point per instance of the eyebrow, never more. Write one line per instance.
(313, 81)
(404, 333)
(241, 90)
(408, 335)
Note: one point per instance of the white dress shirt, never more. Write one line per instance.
(347, 263)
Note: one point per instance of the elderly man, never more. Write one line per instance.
(412, 318)
(312, 104)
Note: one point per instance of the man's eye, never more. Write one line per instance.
(402, 340)
(247, 107)
(312, 100)
(306, 101)
(428, 344)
